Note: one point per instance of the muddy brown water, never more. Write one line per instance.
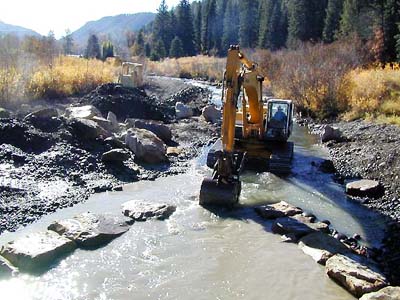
(198, 254)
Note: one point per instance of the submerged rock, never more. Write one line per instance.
(142, 211)
(146, 146)
(321, 246)
(364, 188)
(277, 210)
(89, 230)
(37, 251)
(387, 293)
(358, 278)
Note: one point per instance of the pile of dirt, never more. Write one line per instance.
(124, 102)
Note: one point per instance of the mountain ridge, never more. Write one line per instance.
(19, 31)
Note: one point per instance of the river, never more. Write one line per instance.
(197, 254)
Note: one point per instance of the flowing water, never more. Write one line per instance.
(197, 254)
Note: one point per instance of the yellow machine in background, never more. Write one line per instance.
(131, 75)
(254, 134)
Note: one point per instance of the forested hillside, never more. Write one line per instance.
(210, 26)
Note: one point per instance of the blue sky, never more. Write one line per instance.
(45, 15)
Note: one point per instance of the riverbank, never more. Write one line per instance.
(371, 151)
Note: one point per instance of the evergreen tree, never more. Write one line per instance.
(248, 23)
(176, 48)
(197, 17)
(231, 27)
(391, 19)
(162, 26)
(332, 20)
(265, 30)
(147, 49)
(158, 51)
(107, 50)
(185, 28)
(219, 30)
(349, 18)
(208, 30)
(138, 47)
(297, 28)
(68, 42)
(93, 47)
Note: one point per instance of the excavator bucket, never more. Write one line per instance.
(214, 193)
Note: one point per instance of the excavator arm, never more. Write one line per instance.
(224, 187)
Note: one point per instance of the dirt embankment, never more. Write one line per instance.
(46, 163)
(372, 151)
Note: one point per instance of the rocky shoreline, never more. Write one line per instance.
(363, 150)
(54, 156)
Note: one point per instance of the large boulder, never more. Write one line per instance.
(115, 155)
(277, 210)
(321, 246)
(82, 112)
(364, 188)
(46, 113)
(142, 211)
(387, 293)
(330, 133)
(357, 278)
(103, 123)
(146, 146)
(90, 230)
(182, 111)
(87, 129)
(37, 251)
(159, 129)
(211, 114)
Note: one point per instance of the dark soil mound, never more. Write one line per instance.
(124, 102)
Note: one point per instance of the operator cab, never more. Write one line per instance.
(279, 123)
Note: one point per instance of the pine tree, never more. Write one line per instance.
(231, 27)
(138, 47)
(219, 30)
(107, 50)
(68, 42)
(147, 49)
(332, 20)
(208, 30)
(176, 48)
(349, 18)
(391, 18)
(248, 23)
(158, 51)
(93, 47)
(185, 28)
(297, 29)
(162, 26)
(397, 47)
(197, 17)
(265, 29)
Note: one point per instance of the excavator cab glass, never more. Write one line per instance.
(278, 120)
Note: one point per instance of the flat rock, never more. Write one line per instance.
(309, 221)
(90, 230)
(104, 123)
(277, 210)
(364, 188)
(292, 227)
(141, 211)
(115, 155)
(37, 251)
(357, 278)
(82, 112)
(146, 146)
(321, 246)
(387, 293)
(161, 130)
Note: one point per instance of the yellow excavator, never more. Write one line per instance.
(254, 133)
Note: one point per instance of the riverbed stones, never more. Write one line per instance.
(211, 114)
(115, 156)
(321, 246)
(387, 293)
(356, 277)
(89, 230)
(160, 130)
(82, 112)
(182, 111)
(142, 211)
(364, 188)
(330, 133)
(146, 146)
(277, 210)
(37, 251)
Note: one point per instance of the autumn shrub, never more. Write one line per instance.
(314, 76)
(69, 76)
(204, 67)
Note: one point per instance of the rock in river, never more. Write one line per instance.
(364, 188)
(297, 226)
(146, 146)
(277, 210)
(141, 211)
(37, 251)
(321, 246)
(358, 278)
(89, 230)
(387, 293)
